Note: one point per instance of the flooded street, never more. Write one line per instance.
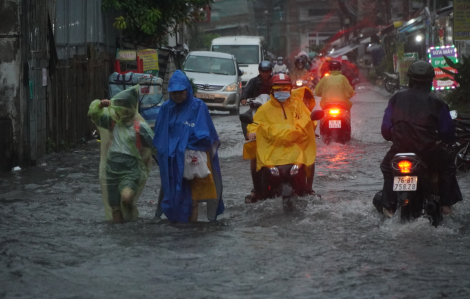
(54, 242)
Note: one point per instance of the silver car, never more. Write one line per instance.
(217, 78)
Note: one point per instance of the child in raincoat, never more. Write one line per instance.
(126, 149)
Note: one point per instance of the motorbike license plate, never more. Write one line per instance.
(205, 96)
(335, 124)
(405, 183)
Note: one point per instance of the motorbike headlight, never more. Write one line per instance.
(298, 82)
(274, 171)
(294, 170)
(231, 87)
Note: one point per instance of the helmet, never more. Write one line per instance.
(421, 71)
(280, 79)
(300, 63)
(334, 65)
(344, 57)
(265, 66)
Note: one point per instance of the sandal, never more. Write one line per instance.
(252, 198)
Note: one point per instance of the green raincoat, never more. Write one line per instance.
(126, 150)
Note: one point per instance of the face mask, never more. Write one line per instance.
(281, 96)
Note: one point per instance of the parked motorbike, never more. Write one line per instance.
(416, 188)
(461, 147)
(336, 125)
(288, 180)
(391, 82)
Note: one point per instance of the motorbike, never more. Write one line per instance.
(254, 104)
(460, 149)
(416, 188)
(336, 125)
(288, 180)
(391, 82)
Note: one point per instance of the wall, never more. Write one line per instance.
(10, 63)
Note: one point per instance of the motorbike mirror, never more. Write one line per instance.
(453, 114)
(246, 118)
(315, 115)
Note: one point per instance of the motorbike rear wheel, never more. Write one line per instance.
(462, 158)
(389, 85)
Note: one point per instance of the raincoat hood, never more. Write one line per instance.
(179, 82)
(305, 95)
(124, 105)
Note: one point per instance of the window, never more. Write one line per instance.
(213, 65)
(245, 54)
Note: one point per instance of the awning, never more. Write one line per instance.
(342, 51)
(411, 25)
(444, 12)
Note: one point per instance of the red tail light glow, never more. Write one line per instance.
(334, 111)
(405, 166)
(327, 74)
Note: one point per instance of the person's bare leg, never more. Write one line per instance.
(127, 195)
(195, 213)
(117, 214)
(253, 173)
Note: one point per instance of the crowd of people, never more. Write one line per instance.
(185, 139)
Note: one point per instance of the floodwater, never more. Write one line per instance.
(54, 242)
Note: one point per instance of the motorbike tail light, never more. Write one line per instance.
(274, 171)
(294, 170)
(334, 111)
(298, 82)
(405, 166)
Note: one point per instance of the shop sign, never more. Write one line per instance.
(150, 60)
(461, 20)
(126, 55)
(410, 56)
(403, 66)
(436, 58)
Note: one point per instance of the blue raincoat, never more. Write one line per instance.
(178, 127)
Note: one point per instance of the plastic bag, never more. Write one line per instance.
(195, 165)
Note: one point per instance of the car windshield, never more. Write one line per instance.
(210, 65)
(245, 54)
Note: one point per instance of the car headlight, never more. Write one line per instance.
(231, 87)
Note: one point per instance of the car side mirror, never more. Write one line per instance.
(246, 118)
(316, 114)
(240, 72)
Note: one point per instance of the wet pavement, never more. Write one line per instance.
(54, 242)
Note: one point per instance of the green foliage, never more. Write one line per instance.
(201, 41)
(460, 96)
(50, 146)
(151, 20)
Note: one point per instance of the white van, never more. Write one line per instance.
(248, 50)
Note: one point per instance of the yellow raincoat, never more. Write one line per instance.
(283, 136)
(305, 95)
(334, 88)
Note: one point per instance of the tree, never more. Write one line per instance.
(150, 21)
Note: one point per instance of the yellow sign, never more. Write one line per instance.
(403, 66)
(150, 59)
(462, 20)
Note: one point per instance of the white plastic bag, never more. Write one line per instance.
(195, 164)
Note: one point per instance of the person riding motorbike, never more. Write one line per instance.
(280, 67)
(283, 131)
(255, 87)
(299, 72)
(419, 122)
(325, 67)
(335, 88)
(347, 70)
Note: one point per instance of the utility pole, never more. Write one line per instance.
(406, 10)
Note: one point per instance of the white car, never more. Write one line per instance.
(217, 77)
